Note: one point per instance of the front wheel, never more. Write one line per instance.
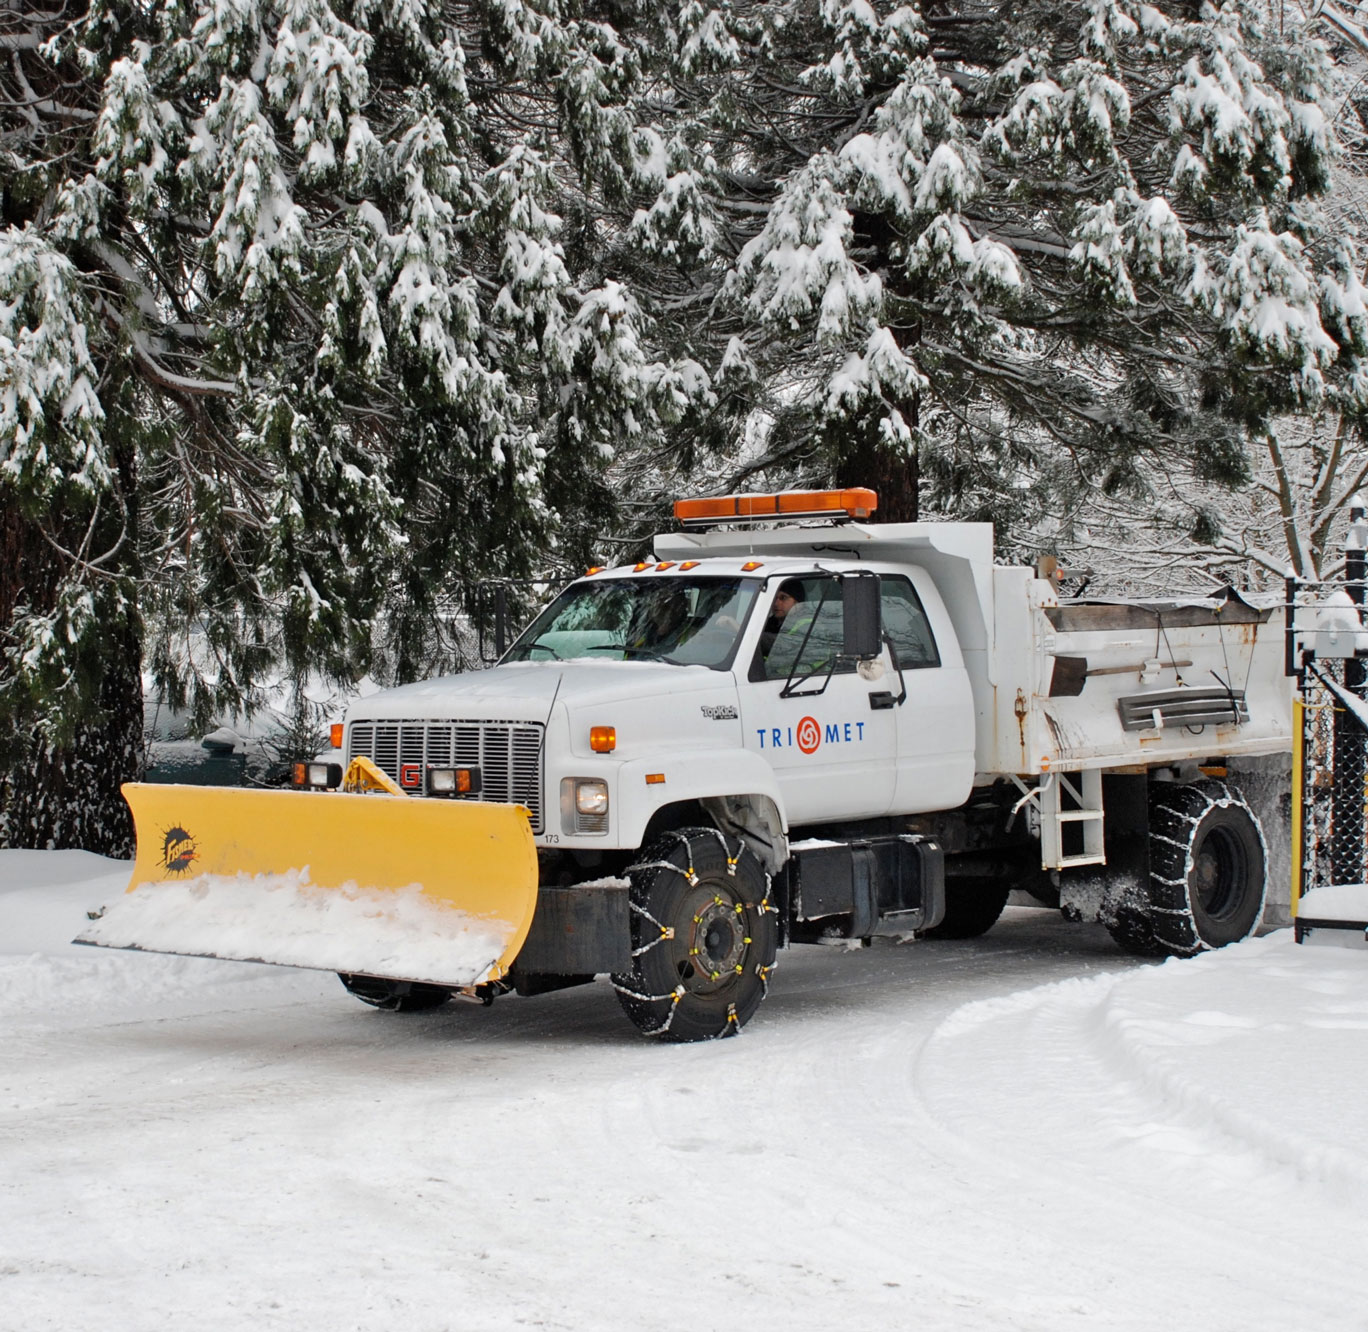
(704, 936)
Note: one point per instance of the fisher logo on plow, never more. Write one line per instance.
(179, 851)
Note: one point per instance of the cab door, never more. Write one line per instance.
(811, 718)
(935, 722)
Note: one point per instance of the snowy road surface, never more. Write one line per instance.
(1025, 1132)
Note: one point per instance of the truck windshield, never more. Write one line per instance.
(681, 620)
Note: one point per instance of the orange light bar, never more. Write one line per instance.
(705, 510)
(856, 502)
(603, 739)
(335, 732)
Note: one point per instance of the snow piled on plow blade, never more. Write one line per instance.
(286, 920)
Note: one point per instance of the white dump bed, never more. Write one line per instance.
(1078, 684)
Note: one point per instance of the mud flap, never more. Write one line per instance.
(442, 891)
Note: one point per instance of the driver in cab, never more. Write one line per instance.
(785, 618)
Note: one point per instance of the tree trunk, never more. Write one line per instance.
(893, 476)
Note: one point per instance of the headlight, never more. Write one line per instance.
(584, 806)
(591, 797)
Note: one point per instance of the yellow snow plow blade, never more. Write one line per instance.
(402, 887)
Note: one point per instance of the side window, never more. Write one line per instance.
(905, 623)
(810, 633)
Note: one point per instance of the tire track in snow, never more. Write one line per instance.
(1126, 1025)
(1066, 1090)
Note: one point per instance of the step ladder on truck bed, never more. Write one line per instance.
(1062, 801)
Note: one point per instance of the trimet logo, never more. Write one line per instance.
(810, 734)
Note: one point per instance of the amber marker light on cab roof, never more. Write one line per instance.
(688, 564)
(665, 564)
(603, 739)
(598, 568)
(642, 567)
(751, 565)
(854, 502)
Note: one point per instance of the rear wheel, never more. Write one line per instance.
(704, 936)
(1131, 925)
(1207, 873)
(395, 996)
(972, 907)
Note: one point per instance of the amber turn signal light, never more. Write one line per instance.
(603, 739)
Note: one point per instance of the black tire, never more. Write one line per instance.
(395, 996)
(704, 936)
(1131, 925)
(1207, 867)
(972, 908)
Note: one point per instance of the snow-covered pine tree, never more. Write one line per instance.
(70, 693)
(980, 255)
(1308, 466)
(304, 325)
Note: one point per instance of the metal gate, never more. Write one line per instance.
(1328, 813)
(1327, 652)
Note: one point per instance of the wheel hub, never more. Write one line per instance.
(716, 944)
(1216, 869)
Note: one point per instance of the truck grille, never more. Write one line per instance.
(508, 755)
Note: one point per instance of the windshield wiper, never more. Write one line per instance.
(630, 649)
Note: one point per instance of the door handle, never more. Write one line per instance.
(883, 699)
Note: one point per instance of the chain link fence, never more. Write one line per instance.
(1327, 652)
(1331, 773)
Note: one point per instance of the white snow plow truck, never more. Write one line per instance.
(789, 725)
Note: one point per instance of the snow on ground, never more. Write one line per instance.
(1028, 1131)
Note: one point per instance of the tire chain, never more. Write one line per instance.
(1227, 799)
(733, 1027)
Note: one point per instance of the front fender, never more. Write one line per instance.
(697, 775)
